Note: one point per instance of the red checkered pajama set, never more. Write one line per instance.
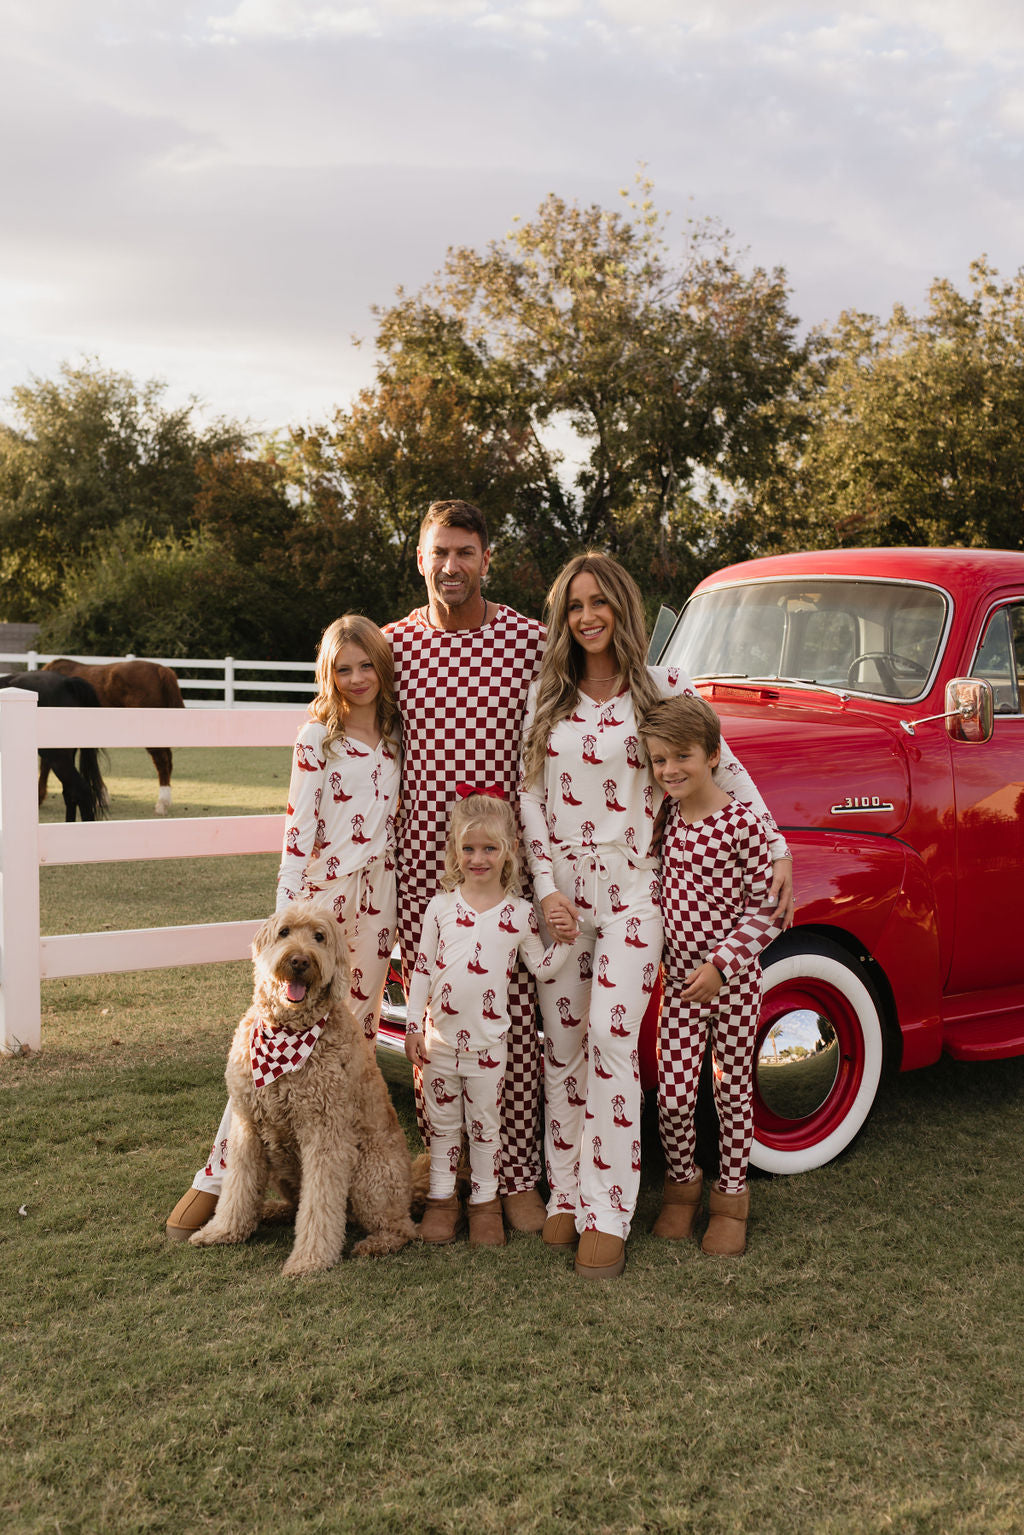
(339, 851)
(462, 693)
(588, 832)
(716, 877)
(460, 988)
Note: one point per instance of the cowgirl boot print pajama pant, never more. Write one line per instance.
(592, 1013)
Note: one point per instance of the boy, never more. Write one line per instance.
(716, 875)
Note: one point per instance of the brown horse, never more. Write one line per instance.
(129, 685)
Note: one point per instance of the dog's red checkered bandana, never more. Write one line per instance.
(275, 1051)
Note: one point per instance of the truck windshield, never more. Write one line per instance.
(875, 637)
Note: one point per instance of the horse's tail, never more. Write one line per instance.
(170, 691)
(89, 767)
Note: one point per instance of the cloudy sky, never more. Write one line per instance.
(216, 193)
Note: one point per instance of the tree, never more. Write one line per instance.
(669, 369)
(93, 452)
(169, 597)
(427, 430)
(917, 433)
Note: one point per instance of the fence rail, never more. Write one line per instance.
(226, 677)
(26, 957)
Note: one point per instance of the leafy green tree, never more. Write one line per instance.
(669, 368)
(91, 453)
(168, 597)
(422, 433)
(917, 433)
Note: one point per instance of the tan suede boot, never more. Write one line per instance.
(486, 1227)
(726, 1236)
(679, 1206)
(524, 1211)
(560, 1230)
(442, 1220)
(193, 1210)
(600, 1255)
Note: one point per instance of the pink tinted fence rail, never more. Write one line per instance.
(26, 957)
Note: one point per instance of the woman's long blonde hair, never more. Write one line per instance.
(498, 817)
(328, 706)
(561, 671)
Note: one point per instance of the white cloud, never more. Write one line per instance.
(237, 209)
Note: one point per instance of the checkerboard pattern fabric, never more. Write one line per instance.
(462, 694)
(730, 1023)
(716, 874)
(272, 1051)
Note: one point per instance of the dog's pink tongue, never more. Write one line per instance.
(295, 991)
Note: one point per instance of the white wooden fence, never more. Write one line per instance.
(26, 957)
(225, 676)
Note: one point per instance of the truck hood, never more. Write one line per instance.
(823, 766)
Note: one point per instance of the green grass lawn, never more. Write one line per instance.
(860, 1369)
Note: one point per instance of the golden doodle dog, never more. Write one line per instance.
(310, 1110)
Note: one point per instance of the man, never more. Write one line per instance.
(463, 665)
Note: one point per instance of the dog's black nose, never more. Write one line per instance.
(299, 965)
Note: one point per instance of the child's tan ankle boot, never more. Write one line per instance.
(486, 1227)
(679, 1206)
(726, 1236)
(442, 1220)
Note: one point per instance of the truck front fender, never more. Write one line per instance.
(874, 895)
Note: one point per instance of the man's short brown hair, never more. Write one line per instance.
(456, 514)
(682, 722)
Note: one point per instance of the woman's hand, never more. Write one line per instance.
(781, 896)
(416, 1049)
(560, 915)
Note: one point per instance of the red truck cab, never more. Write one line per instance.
(876, 697)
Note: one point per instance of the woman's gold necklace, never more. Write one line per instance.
(599, 681)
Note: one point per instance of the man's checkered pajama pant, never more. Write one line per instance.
(520, 1118)
(729, 1024)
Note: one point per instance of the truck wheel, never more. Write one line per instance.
(818, 1056)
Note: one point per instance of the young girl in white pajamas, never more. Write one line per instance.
(716, 875)
(339, 837)
(475, 929)
(588, 805)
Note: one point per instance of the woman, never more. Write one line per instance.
(588, 803)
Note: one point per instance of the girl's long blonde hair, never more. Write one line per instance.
(498, 817)
(328, 706)
(561, 671)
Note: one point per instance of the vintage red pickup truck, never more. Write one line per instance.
(876, 696)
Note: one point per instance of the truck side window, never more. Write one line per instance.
(1017, 629)
(1000, 657)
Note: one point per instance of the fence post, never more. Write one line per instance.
(20, 1018)
(32, 658)
(229, 681)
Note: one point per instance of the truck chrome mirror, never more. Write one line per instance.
(969, 711)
